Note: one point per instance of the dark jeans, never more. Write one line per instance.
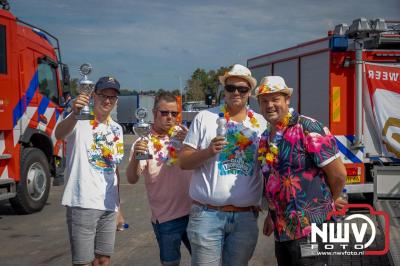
(169, 237)
(288, 253)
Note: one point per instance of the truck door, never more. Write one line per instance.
(3, 54)
(7, 94)
(50, 97)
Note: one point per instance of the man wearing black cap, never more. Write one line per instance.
(94, 149)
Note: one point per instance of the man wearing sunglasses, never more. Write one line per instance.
(225, 188)
(167, 185)
(304, 174)
(91, 196)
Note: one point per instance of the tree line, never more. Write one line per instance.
(200, 84)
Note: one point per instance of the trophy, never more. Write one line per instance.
(86, 87)
(142, 129)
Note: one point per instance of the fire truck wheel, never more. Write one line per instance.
(34, 186)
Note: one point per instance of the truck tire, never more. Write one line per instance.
(34, 187)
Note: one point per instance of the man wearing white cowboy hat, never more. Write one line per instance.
(292, 152)
(226, 187)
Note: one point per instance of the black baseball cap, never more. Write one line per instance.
(107, 83)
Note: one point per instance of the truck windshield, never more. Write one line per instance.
(3, 54)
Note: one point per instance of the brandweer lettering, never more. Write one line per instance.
(383, 75)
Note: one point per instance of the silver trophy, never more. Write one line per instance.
(86, 86)
(142, 129)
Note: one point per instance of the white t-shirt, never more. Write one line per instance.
(232, 177)
(93, 152)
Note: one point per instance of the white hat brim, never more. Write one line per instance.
(252, 81)
(288, 91)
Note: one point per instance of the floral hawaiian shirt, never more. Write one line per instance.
(295, 187)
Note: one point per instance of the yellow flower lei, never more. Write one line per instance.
(270, 156)
(250, 114)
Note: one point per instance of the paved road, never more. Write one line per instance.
(41, 238)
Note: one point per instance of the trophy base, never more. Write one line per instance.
(140, 157)
(84, 117)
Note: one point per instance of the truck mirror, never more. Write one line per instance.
(62, 102)
(5, 4)
(209, 98)
(65, 75)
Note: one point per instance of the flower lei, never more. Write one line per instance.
(250, 114)
(172, 157)
(111, 150)
(268, 155)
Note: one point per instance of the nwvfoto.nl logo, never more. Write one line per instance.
(357, 227)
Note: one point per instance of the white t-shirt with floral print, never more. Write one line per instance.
(93, 153)
(230, 178)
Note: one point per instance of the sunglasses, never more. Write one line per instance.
(167, 113)
(104, 97)
(240, 89)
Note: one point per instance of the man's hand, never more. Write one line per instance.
(81, 101)
(340, 203)
(181, 133)
(217, 145)
(133, 170)
(65, 127)
(120, 221)
(268, 225)
(190, 158)
(139, 148)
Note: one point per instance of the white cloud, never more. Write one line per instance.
(157, 41)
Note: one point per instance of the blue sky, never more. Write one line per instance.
(156, 44)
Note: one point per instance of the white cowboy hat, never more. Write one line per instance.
(273, 84)
(241, 72)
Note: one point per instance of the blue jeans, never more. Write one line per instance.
(169, 236)
(221, 238)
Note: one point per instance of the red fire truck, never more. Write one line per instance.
(327, 78)
(350, 81)
(31, 74)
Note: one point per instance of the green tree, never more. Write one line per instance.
(127, 92)
(202, 82)
(195, 90)
(176, 92)
(73, 87)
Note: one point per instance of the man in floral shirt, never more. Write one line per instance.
(303, 172)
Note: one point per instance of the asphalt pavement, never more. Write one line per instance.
(42, 238)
